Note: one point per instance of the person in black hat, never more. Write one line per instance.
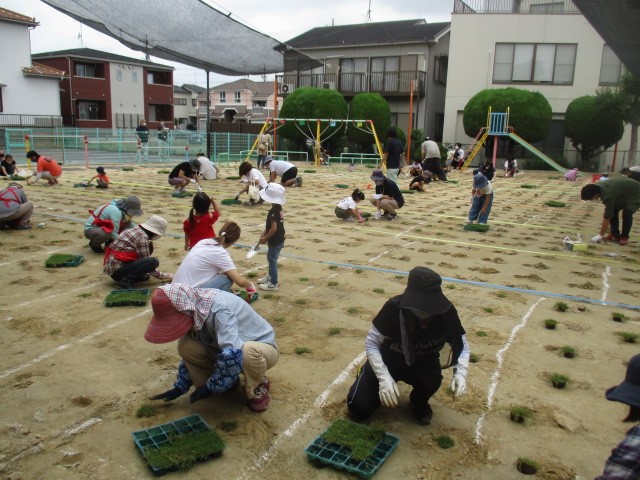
(624, 462)
(388, 197)
(183, 174)
(404, 345)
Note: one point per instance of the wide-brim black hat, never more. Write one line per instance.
(628, 392)
(424, 292)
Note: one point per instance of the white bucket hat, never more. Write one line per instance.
(274, 193)
(156, 224)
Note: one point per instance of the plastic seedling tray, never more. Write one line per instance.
(128, 169)
(340, 457)
(452, 181)
(341, 185)
(366, 214)
(553, 203)
(230, 201)
(243, 295)
(476, 227)
(134, 297)
(309, 171)
(409, 192)
(528, 185)
(232, 177)
(170, 434)
(58, 260)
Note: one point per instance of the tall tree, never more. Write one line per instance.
(628, 100)
(593, 124)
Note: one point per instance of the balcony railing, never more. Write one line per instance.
(384, 83)
(22, 121)
(515, 6)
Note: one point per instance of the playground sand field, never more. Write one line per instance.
(73, 372)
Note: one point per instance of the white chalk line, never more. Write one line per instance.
(605, 284)
(318, 403)
(60, 348)
(49, 297)
(496, 374)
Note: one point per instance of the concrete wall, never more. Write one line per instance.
(24, 95)
(127, 96)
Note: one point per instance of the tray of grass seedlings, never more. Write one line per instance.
(133, 297)
(178, 445)
(355, 448)
(476, 227)
(58, 260)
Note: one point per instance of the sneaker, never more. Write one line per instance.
(624, 241)
(97, 249)
(392, 216)
(298, 181)
(468, 222)
(176, 193)
(260, 402)
(263, 280)
(377, 216)
(612, 238)
(268, 286)
(348, 219)
(422, 414)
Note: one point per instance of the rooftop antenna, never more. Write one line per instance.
(368, 16)
(79, 36)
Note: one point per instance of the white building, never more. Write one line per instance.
(29, 92)
(529, 44)
(185, 104)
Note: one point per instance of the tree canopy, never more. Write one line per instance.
(368, 106)
(530, 112)
(593, 124)
(309, 102)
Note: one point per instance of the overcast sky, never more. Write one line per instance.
(282, 20)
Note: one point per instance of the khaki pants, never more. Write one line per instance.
(257, 358)
(22, 216)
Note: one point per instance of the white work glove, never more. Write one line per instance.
(388, 389)
(459, 380)
(192, 180)
(596, 239)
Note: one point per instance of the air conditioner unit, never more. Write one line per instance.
(329, 85)
(287, 87)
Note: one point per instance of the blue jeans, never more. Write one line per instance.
(476, 206)
(272, 258)
(220, 281)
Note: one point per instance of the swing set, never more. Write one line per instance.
(305, 127)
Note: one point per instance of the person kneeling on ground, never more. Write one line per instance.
(15, 208)
(208, 169)
(388, 196)
(220, 336)
(481, 200)
(346, 208)
(128, 258)
(46, 168)
(8, 167)
(287, 172)
(624, 462)
(183, 174)
(102, 179)
(253, 178)
(404, 344)
(107, 221)
(618, 194)
(418, 182)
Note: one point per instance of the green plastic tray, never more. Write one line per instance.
(243, 295)
(309, 171)
(476, 227)
(230, 201)
(553, 203)
(528, 185)
(341, 185)
(158, 436)
(118, 298)
(61, 260)
(339, 456)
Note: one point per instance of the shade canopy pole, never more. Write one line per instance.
(208, 119)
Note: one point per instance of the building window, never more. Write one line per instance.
(353, 74)
(85, 70)
(179, 101)
(440, 68)
(611, 68)
(384, 74)
(134, 77)
(551, 7)
(88, 110)
(236, 97)
(194, 102)
(119, 75)
(534, 63)
(223, 97)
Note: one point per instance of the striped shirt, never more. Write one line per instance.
(624, 462)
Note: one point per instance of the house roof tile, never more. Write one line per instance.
(15, 17)
(40, 70)
(400, 31)
(91, 54)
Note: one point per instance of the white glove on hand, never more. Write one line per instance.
(459, 380)
(596, 239)
(388, 389)
(192, 180)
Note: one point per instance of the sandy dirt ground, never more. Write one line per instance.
(73, 373)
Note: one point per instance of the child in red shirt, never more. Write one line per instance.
(102, 179)
(199, 225)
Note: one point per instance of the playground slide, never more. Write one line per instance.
(537, 153)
